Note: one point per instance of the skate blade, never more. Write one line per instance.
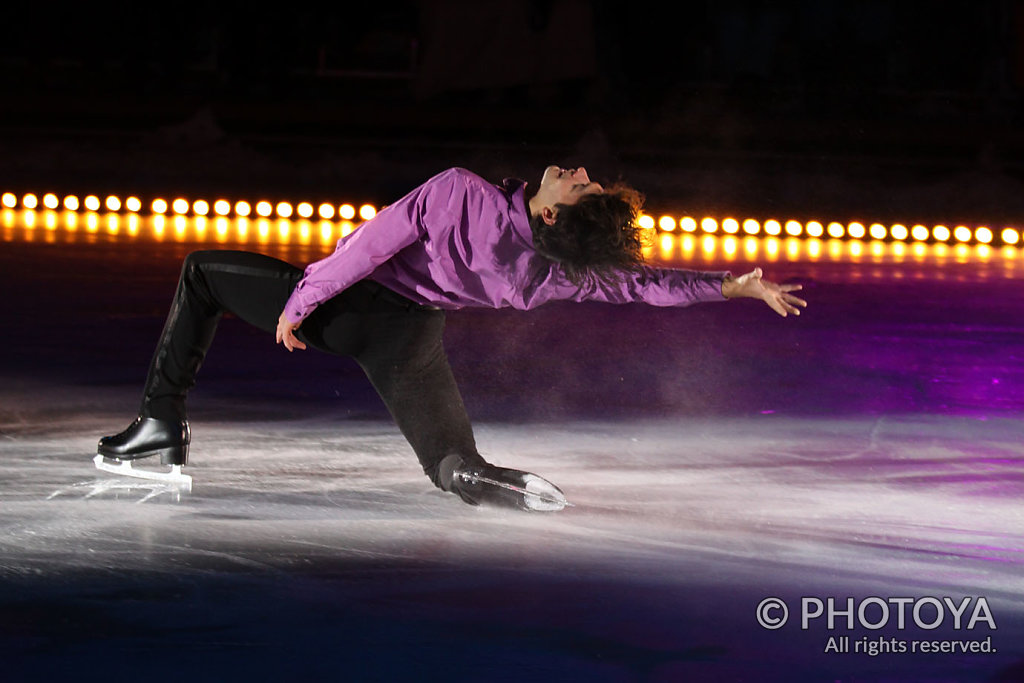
(543, 496)
(124, 468)
(538, 494)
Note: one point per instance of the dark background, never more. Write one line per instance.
(850, 107)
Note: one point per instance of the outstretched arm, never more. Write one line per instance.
(777, 296)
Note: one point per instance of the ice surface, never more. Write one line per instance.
(714, 459)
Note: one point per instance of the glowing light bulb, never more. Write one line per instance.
(91, 203)
(878, 231)
(815, 229)
(646, 222)
(222, 207)
(687, 224)
(113, 203)
(264, 209)
(709, 225)
(304, 209)
(855, 230)
(899, 232)
(71, 202)
(200, 207)
(133, 204)
(962, 233)
(243, 209)
(751, 227)
(180, 206)
(367, 211)
(919, 233)
(731, 226)
(159, 206)
(50, 201)
(1010, 236)
(326, 211)
(773, 227)
(836, 230)
(793, 228)
(29, 201)
(9, 200)
(983, 235)
(667, 223)
(346, 212)
(283, 209)
(941, 233)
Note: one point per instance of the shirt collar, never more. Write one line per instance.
(518, 212)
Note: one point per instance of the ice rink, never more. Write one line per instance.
(868, 453)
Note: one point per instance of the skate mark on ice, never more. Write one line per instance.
(99, 487)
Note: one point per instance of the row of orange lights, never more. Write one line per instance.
(708, 225)
(855, 230)
(198, 207)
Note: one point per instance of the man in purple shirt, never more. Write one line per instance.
(453, 242)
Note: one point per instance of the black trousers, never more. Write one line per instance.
(396, 342)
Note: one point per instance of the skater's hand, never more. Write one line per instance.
(286, 334)
(775, 295)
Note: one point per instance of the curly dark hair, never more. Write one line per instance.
(597, 238)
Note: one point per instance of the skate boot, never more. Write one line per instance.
(144, 438)
(486, 484)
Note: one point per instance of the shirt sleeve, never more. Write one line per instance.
(657, 287)
(374, 242)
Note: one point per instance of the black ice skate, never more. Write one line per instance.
(145, 438)
(486, 484)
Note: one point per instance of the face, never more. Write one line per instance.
(565, 186)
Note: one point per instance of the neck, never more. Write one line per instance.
(533, 204)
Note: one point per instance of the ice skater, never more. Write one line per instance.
(381, 296)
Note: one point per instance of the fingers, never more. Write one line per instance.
(286, 335)
(794, 300)
(291, 342)
(777, 296)
(296, 343)
(784, 304)
(779, 307)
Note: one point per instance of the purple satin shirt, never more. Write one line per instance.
(458, 240)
